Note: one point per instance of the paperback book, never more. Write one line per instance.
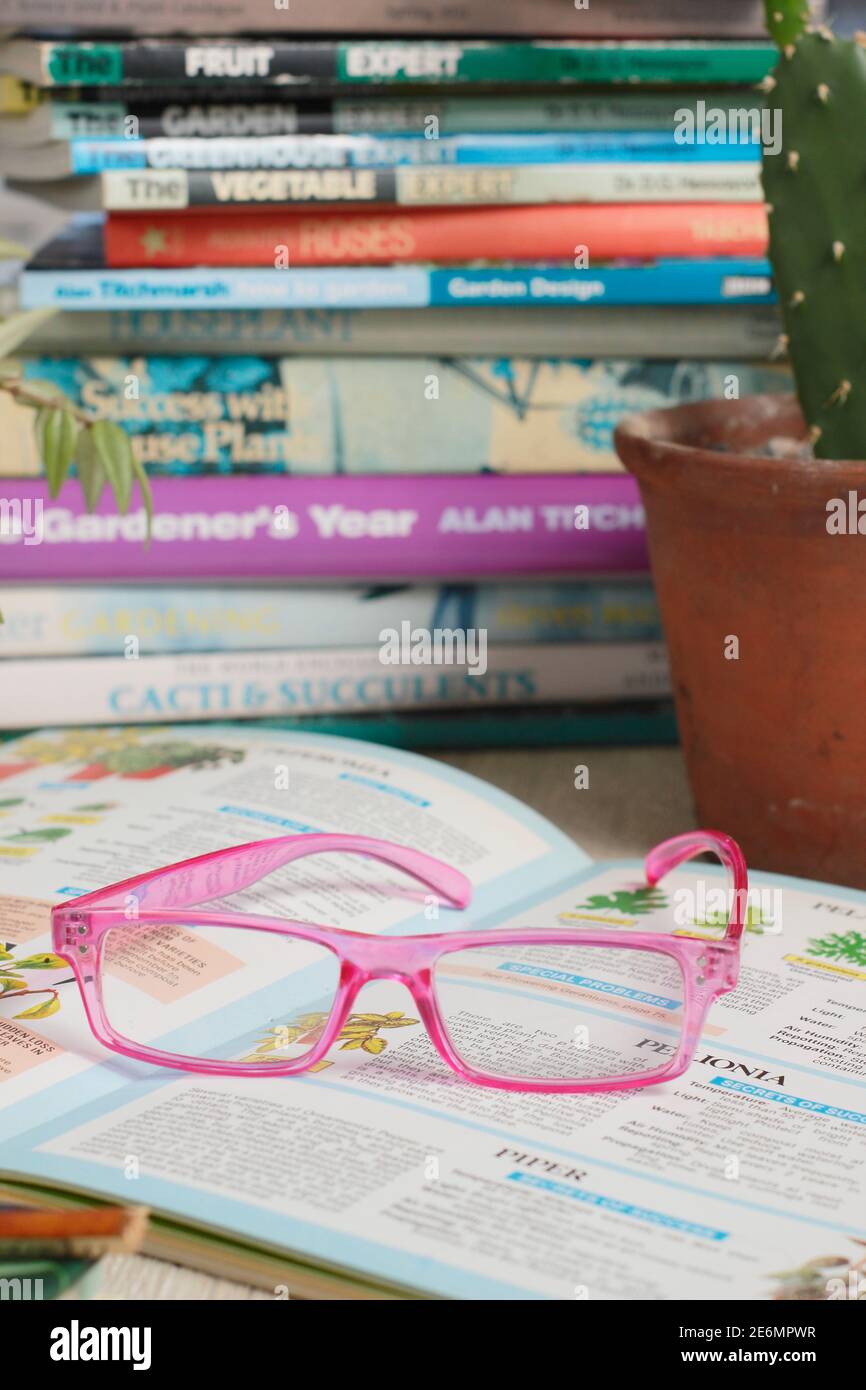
(371, 151)
(65, 63)
(660, 179)
(66, 1236)
(745, 332)
(96, 620)
(58, 115)
(736, 279)
(409, 668)
(456, 1191)
(604, 18)
(320, 415)
(606, 232)
(265, 526)
(619, 724)
(362, 151)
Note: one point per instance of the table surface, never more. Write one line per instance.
(635, 797)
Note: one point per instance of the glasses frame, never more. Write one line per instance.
(79, 928)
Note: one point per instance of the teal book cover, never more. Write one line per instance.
(324, 415)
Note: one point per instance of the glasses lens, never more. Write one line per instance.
(217, 993)
(561, 1012)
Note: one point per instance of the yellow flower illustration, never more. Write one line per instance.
(359, 1033)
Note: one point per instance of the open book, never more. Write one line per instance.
(381, 1173)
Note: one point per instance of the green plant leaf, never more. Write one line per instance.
(91, 473)
(10, 982)
(56, 433)
(114, 447)
(146, 494)
(17, 328)
(45, 392)
(51, 1006)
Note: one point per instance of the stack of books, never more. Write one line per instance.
(371, 309)
(60, 1254)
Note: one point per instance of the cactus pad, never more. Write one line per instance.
(816, 194)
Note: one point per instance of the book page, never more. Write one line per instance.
(743, 1178)
(86, 808)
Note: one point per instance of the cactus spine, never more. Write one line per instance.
(815, 189)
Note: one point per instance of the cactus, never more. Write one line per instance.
(815, 190)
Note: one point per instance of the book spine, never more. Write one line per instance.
(651, 111)
(89, 120)
(267, 526)
(311, 415)
(73, 690)
(605, 18)
(362, 151)
(390, 62)
(54, 620)
(410, 287)
(745, 333)
(527, 726)
(34, 1234)
(608, 232)
(657, 181)
(553, 111)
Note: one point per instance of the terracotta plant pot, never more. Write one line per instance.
(775, 740)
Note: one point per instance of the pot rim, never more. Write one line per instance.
(651, 438)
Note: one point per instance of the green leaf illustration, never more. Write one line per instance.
(849, 947)
(635, 902)
(44, 961)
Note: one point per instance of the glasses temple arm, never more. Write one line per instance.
(210, 877)
(671, 853)
(447, 882)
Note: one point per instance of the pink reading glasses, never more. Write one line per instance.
(550, 1009)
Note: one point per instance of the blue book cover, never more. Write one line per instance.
(723, 281)
(365, 151)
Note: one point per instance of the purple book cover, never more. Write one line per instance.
(272, 526)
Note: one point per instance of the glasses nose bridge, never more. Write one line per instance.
(389, 958)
